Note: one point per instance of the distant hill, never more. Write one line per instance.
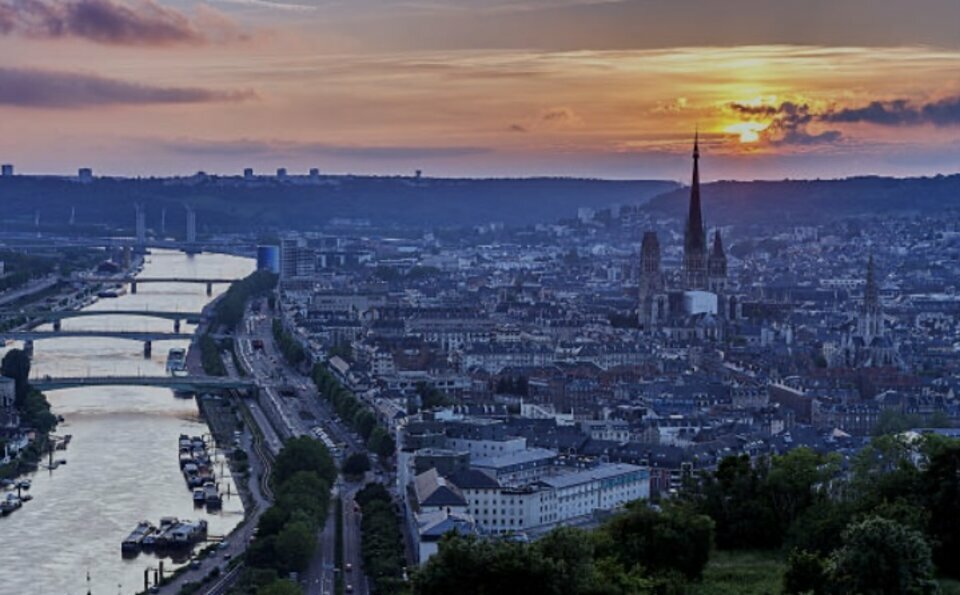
(807, 201)
(225, 204)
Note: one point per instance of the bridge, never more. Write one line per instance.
(148, 337)
(132, 279)
(181, 383)
(135, 281)
(58, 316)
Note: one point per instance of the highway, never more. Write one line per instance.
(298, 415)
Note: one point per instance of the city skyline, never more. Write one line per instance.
(496, 88)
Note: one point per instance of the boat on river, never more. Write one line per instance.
(195, 462)
(176, 360)
(172, 534)
(134, 542)
(10, 503)
(212, 496)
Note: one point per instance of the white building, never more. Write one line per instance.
(562, 494)
(699, 302)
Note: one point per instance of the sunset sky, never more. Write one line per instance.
(604, 88)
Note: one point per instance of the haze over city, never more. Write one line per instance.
(481, 88)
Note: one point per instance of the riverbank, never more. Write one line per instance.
(124, 457)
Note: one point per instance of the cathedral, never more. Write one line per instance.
(698, 306)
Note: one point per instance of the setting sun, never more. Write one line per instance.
(749, 131)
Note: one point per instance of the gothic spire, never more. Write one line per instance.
(717, 244)
(695, 236)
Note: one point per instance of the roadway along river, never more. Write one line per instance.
(122, 463)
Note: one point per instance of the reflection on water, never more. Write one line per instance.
(122, 462)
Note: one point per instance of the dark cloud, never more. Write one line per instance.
(113, 22)
(754, 110)
(789, 123)
(517, 128)
(558, 114)
(260, 148)
(48, 89)
(900, 112)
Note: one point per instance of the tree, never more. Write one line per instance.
(305, 492)
(793, 481)
(806, 573)
(272, 521)
(364, 421)
(676, 539)
(468, 566)
(381, 443)
(941, 484)
(736, 499)
(16, 365)
(280, 587)
(879, 556)
(817, 528)
(571, 553)
(35, 412)
(431, 397)
(356, 464)
(294, 546)
(303, 454)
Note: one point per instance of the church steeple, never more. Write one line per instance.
(694, 236)
(695, 230)
(718, 245)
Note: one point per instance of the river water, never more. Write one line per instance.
(122, 462)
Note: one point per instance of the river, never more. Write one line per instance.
(122, 462)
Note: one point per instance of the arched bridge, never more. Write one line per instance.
(184, 383)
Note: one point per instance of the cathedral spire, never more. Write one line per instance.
(694, 234)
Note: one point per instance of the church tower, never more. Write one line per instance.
(717, 265)
(870, 322)
(694, 235)
(653, 301)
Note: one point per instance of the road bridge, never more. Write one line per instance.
(135, 281)
(57, 316)
(182, 383)
(148, 337)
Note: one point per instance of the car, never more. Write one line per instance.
(349, 588)
(194, 564)
(227, 556)
(224, 544)
(348, 567)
